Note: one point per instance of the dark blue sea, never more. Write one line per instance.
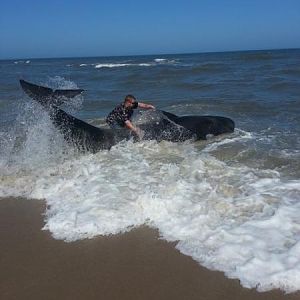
(231, 202)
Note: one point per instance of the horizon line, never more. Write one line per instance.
(152, 54)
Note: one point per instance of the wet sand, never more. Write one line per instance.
(135, 265)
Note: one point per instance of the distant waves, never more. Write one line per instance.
(155, 62)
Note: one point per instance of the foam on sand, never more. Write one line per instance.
(236, 219)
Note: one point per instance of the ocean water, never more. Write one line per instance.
(231, 202)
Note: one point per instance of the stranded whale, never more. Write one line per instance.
(166, 126)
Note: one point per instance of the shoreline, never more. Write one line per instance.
(134, 265)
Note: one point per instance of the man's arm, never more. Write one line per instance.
(146, 106)
(130, 126)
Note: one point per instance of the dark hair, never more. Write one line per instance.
(129, 97)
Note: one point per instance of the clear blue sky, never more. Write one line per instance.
(42, 28)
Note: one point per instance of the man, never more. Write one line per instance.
(120, 116)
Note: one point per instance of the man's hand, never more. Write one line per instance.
(146, 106)
(136, 130)
(140, 133)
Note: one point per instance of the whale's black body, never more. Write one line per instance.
(87, 137)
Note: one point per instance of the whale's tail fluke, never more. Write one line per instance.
(47, 96)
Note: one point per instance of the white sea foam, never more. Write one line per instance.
(145, 64)
(155, 62)
(118, 65)
(165, 61)
(238, 136)
(111, 65)
(236, 219)
(22, 62)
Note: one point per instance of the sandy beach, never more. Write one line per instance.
(135, 265)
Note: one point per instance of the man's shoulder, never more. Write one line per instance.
(120, 106)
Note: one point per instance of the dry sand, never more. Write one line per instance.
(135, 265)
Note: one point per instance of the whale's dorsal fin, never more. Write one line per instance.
(170, 116)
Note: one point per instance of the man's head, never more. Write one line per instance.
(130, 101)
